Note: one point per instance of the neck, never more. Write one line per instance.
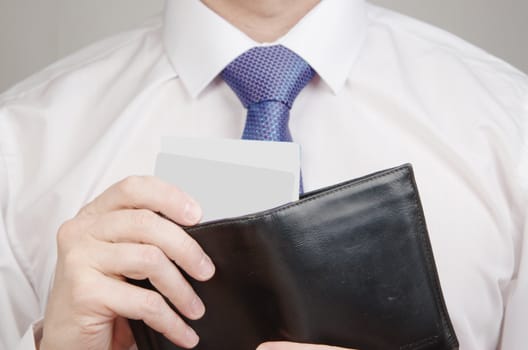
(262, 20)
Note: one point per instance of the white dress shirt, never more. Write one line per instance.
(389, 90)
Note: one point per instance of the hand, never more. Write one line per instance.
(295, 346)
(119, 235)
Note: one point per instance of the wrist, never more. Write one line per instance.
(38, 334)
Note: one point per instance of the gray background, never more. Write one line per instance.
(34, 33)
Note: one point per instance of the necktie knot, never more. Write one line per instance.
(267, 80)
(268, 73)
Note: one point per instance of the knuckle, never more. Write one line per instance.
(153, 304)
(152, 257)
(189, 246)
(173, 322)
(66, 228)
(176, 195)
(128, 187)
(67, 231)
(89, 209)
(172, 325)
(187, 294)
(143, 218)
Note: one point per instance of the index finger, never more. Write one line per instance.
(147, 192)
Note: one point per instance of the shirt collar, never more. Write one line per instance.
(200, 43)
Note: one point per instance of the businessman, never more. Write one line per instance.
(371, 89)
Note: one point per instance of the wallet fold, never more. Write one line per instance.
(350, 265)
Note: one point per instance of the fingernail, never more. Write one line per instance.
(197, 307)
(192, 337)
(207, 267)
(192, 212)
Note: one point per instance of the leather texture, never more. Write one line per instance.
(350, 266)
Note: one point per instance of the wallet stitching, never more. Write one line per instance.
(417, 344)
(301, 202)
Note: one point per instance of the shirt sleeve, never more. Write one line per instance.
(18, 303)
(515, 335)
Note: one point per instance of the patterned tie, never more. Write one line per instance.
(267, 80)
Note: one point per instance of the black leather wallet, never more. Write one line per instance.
(350, 265)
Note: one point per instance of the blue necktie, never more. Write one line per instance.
(267, 80)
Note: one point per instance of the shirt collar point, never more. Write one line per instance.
(335, 85)
(193, 88)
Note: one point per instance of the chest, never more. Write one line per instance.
(467, 213)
